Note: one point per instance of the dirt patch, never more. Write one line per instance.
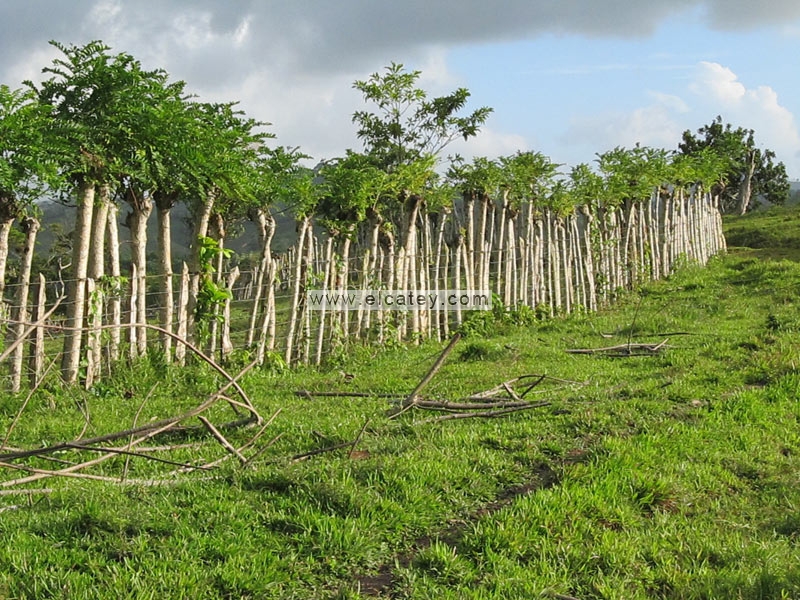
(381, 584)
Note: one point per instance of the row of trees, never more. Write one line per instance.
(102, 132)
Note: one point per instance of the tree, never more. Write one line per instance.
(228, 145)
(408, 125)
(29, 154)
(750, 171)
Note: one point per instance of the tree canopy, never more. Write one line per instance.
(749, 171)
(408, 124)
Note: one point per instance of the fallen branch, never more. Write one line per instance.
(124, 452)
(358, 439)
(483, 414)
(232, 381)
(310, 453)
(622, 349)
(30, 491)
(309, 395)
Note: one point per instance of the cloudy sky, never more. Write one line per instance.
(569, 78)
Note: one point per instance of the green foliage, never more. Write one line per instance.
(528, 176)
(29, 151)
(633, 174)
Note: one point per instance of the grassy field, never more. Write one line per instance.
(671, 475)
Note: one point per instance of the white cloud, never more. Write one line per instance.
(489, 143)
(719, 91)
(652, 125)
(670, 101)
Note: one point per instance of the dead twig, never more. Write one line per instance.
(29, 491)
(309, 395)
(446, 405)
(306, 455)
(250, 443)
(260, 451)
(411, 399)
(128, 453)
(358, 438)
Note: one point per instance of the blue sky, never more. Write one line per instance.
(570, 78)
(571, 97)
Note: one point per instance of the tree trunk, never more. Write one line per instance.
(217, 225)
(183, 316)
(225, 344)
(115, 335)
(76, 290)
(37, 355)
(298, 287)
(266, 231)
(96, 268)
(746, 186)
(200, 230)
(5, 230)
(164, 204)
(30, 226)
(326, 287)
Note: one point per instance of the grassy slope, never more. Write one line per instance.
(669, 476)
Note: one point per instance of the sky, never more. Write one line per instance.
(568, 78)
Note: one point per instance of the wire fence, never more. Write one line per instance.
(542, 267)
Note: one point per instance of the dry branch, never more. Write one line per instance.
(447, 405)
(221, 439)
(310, 453)
(412, 397)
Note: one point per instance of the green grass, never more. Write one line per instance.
(773, 233)
(668, 476)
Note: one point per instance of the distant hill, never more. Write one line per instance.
(58, 220)
(794, 193)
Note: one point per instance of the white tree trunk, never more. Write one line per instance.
(137, 221)
(266, 231)
(115, 302)
(164, 206)
(76, 290)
